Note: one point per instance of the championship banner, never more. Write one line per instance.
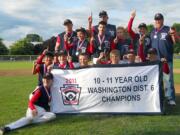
(108, 89)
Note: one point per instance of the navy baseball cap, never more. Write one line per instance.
(48, 76)
(103, 13)
(67, 21)
(158, 16)
(142, 25)
(62, 53)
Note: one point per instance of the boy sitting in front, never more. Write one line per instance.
(38, 107)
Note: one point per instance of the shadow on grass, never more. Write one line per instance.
(173, 110)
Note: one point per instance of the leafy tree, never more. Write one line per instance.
(177, 47)
(150, 27)
(33, 38)
(177, 27)
(22, 47)
(3, 48)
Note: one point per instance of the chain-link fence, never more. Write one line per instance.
(18, 57)
(177, 56)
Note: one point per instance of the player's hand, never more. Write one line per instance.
(65, 37)
(34, 113)
(90, 19)
(92, 39)
(138, 59)
(141, 40)
(172, 31)
(133, 13)
(45, 51)
(116, 40)
(35, 62)
(101, 55)
(163, 60)
(69, 59)
(125, 57)
(37, 66)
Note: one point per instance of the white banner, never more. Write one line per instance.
(131, 89)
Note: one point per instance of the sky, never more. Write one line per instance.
(45, 17)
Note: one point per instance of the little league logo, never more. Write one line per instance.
(70, 94)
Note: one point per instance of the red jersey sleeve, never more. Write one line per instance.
(141, 52)
(91, 47)
(58, 40)
(165, 68)
(40, 59)
(34, 98)
(88, 49)
(130, 31)
(37, 69)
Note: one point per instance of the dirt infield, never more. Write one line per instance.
(21, 72)
(177, 87)
(176, 71)
(17, 72)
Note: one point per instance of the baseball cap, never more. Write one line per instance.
(142, 25)
(67, 21)
(152, 51)
(62, 53)
(158, 16)
(103, 13)
(48, 76)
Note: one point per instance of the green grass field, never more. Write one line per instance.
(177, 63)
(14, 92)
(15, 65)
(177, 78)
